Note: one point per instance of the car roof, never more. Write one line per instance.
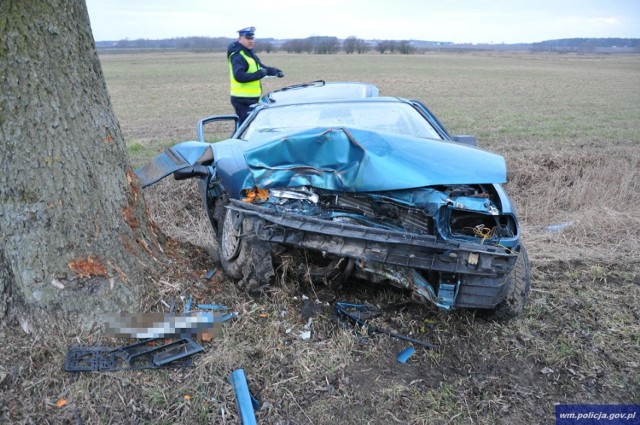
(320, 90)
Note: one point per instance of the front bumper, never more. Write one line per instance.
(481, 270)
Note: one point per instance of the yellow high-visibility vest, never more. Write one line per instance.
(250, 89)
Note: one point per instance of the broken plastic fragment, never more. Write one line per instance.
(187, 306)
(180, 349)
(255, 194)
(305, 335)
(302, 194)
(557, 228)
(57, 284)
(212, 307)
(141, 355)
(404, 355)
(359, 313)
(243, 397)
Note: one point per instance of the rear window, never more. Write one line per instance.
(322, 91)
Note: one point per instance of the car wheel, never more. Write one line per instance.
(519, 281)
(231, 244)
(243, 257)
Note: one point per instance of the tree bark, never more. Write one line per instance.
(74, 232)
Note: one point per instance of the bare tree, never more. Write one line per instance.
(267, 47)
(74, 231)
(324, 45)
(405, 47)
(353, 44)
(297, 45)
(361, 46)
(349, 45)
(386, 45)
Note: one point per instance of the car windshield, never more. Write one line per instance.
(392, 117)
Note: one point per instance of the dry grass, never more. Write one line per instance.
(569, 127)
(593, 196)
(178, 210)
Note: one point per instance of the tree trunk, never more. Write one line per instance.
(74, 232)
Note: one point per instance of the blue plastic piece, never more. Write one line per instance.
(447, 295)
(404, 355)
(243, 397)
(447, 292)
(212, 307)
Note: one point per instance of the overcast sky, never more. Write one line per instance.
(460, 21)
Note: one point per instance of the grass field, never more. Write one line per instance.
(569, 127)
(507, 100)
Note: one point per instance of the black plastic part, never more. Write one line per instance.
(183, 348)
(190, 172)
(141, 355)
(359, 313)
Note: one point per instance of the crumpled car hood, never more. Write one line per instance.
(356, 160)
(340, 159)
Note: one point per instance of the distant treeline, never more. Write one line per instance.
(332, 45)
(186, 43)
(317, 45)
(587, 45)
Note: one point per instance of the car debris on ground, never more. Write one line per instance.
(167, 340)
(358, 314)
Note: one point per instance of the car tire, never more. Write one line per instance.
(232, 248)
(243, 257)
(519, 281)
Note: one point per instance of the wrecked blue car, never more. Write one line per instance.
(362, 187)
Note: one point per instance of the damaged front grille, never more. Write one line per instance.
(461, 212)
(412, 220)
(417, 221)
(358, 204)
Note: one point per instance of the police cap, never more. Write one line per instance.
(247, 32)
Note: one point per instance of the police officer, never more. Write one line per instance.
(245, 73)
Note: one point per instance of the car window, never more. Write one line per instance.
(320, 90)
(392, 117)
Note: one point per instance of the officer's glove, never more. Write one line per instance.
(279, 74)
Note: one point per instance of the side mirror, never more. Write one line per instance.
(465, 140)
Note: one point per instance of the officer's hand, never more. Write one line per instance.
(279, 74)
